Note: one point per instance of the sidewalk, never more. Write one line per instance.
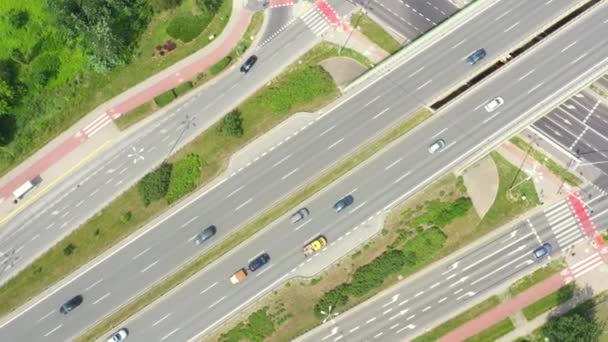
(51, 163)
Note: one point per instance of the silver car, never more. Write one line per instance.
(495, 103)
(299, 215)
(205, 235)
(437, 146)
(118, 336)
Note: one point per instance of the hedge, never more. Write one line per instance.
(182, 88)
(164, 98)
(186, 173)
(186, 26)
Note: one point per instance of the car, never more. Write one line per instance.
(315, 245)
(476, 56)
(343, 203)
(543, 250)
(299, 215)
(437, 146)
(495, 103)
(205, 235)
(118, 336)
(71, 304)
(249, 64)
(258, 262)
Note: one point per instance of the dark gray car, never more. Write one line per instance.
(71, 304)
(476, 56)
(343, 203)
(205, 235)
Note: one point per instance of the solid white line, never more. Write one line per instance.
(141, 253)
(52, 331)
(393, 163)
(235, 191)
(93, 285)
(372, 101)
(382, 112)
(217, 302)
(327, 130)
(290, 173)
(149, 266)
(244, 204)
(169, 334)
(424, 85)
(209, 288)
(189, 221)
(336, 143)
(160, 320)
(102, 298)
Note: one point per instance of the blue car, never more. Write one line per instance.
(476, 56)
(258, 262)
(543, 250)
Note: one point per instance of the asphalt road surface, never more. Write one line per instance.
(208, 299)
(413, 306)
(124, 273)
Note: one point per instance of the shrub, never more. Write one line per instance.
(162, 5)
(209, 6)
(186, 26)
(232, 124)
(164, 98)
(259, 326)
(155, 184)
(69, 249)
(425, 245)
(440, 214)
(184, 176)
(182, 88)
(126, 217)
(220, 66)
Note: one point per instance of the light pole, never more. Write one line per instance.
(187, 122)
(364, 10)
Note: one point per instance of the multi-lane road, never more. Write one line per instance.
(124, 273)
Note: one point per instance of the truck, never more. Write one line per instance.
(239, 276)
(315, 245)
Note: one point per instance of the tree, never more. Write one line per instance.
(232, 124)
(209, 6)
(18, 18)
(572, 328)
(162, 5)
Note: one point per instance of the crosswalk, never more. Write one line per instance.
(586, 265)
(564, 225)
(315, 21)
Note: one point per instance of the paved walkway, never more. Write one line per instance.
(74, 138)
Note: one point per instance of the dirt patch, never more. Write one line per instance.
(481, 181)
(343, 69)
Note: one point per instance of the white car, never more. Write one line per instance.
(437, 146)
(118, 336)
(495, 103)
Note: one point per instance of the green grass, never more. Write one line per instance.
(134, 116)
(549, 302)
(549, 163)
(537, 276)
(494, 332)
(164, 98)
(375, 32)
(459, 320)
(508, 204)
(183, 88)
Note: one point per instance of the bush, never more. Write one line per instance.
(125, 217)
(232, 124)
(162, 5)
(425, 245)
(440, 214)
(220, 66)
(182, 88)
(164, 98)
(155, 184)
(186, 173)
(186, 27)
(209, 6)
(259, 326)
(69, 249)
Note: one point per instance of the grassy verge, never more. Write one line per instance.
(308, 88)
(549, 301)
(459, 320)
(146, 109)
(554, 167)
(375, 32)
(494, 332)
(536, 277)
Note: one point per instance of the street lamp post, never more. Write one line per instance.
(187, 122)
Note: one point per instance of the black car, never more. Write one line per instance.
(205, 235)
(71, 304)
(249, 64)
(476, 56)
(343, 203)
(258, 262)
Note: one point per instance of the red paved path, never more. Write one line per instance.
(505, 309)
(328, 12)
(186, 73)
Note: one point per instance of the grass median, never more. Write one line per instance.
(233, 240)
(536, 277)
(494, 332)
(375, 32)
(549, 301)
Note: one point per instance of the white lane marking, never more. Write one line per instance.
(123, 170)
(79, 203)
(372, 101)
(290, 173)
(93, 193)
(526, 74)
(141, 253)
(370, 320)
(393, 326)
(265, 269)
(569, 46)
(45, 316)
(169, 334)
(393, 163)
(93, 285)
(496, 252)
(424, 85)
(334, 144)
(511, 27)
(468, 294)
(410, 326)
(189, 221)
(516, 250)
(235, 191)
(502, 15)
(244, 204)
(101, 298)
(52, 331)
(50, 226)
(378, 335)
(382, 112)
(461, 280)
(490, 118)
(280, 161)
(458, 291)
(303, 224)
(418, 294)
(499, 268)
(217, 302)
(412, 316)
(435, 285)
(354, 329)
(426, 309)
(459, 43)
(162, 319)
(209, 288)
(403, 302)
(387, 311)
(401, 178)
(357, 207)
(35, 237)
(327, 130)
(442, 300)
(149, 266)
(579, 58)
(439, 133)
(535, 87)
(415, 72)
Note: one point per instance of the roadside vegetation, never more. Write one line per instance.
(61, 59)
(494, 332)
(425, 228)
(537, 276)
(550, 301)
(374, 32)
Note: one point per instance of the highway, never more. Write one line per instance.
(405, 168)
(460, 281)
(123, 273)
